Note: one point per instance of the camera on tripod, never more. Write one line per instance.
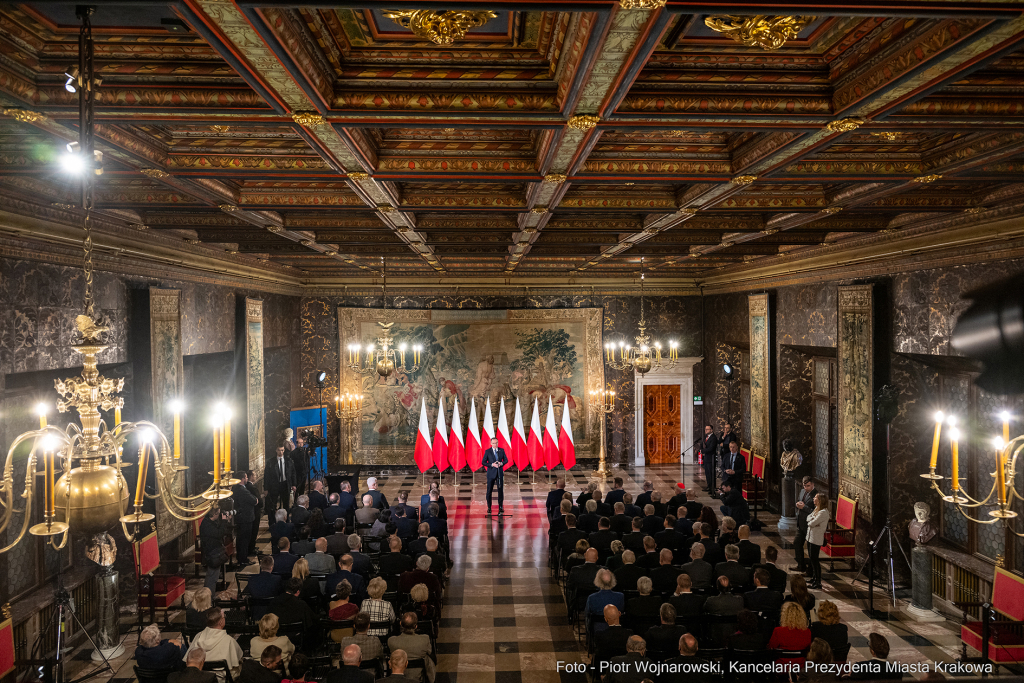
(313, 440)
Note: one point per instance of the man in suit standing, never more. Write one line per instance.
(804, 507)
(250, 486)
(300, 456)
(245, 512)
(734, 466)
(709, 450)
(495, 461)
(280, 478)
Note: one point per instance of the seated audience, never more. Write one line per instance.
(829, 628)
(664, 576)
(604, 580)
(310, 584)
(700, 572)
(298, 667)
(218, 643)
(614, 560)
(878, 646)
(155, 654)
(195, 659)
(791, 633)
(750, 552)
(662, 640)
(202, 600)
(369, 646)
(377, 609)
(627, 668)
(290, 608)
(686, 602)
(421, 574)
(416, 646)
(778, 576)
(799, 594)
(264, 670)
(420, 605)
(349, 671)
(748, 635)
(611, 642)
(645, 610)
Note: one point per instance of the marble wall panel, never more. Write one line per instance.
(805, 315)
(795, 405)
(277, 403)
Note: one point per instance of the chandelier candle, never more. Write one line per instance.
(48, 481)
(140, 484)
(954, 437)
(1006, 426)
(1002, 448)
(216, 454)
(227, 445)
(41, 411)
(117, 416)
(939, 418)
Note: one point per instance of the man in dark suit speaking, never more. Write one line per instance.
(495, 461)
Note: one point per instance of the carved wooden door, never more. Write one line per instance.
(661, 423)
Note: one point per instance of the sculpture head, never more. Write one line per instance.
(922, 511)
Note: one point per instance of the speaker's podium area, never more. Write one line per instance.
(611, 341)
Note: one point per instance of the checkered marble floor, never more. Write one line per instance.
(504, 619)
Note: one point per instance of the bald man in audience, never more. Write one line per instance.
(349, 672)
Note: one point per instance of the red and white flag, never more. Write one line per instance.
(565, 443)
(504, 440)
(550, 438)
(457, 443)
(440, 450)
(534, 448)
(474, 447)
(519, 439)
(422, 455)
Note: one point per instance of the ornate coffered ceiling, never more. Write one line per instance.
(552, 138)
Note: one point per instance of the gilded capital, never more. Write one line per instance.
(689, 210)
(832, 210)
(307, 243)
(384, 208)
(642, 4)
(539, 209)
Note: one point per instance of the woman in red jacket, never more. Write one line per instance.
(792, 634)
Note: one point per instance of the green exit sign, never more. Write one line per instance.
(698, 401)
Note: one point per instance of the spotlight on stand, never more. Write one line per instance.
(321, 379)
(728, 372)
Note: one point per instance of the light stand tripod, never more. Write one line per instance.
(885, 399)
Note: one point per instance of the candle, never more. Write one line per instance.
(176, 407)
(117, 415)
(41, 411)
(48, 478)
(954, 437)
(140, 484)
(1000, 473)
(939, 417)
(1006, 427)
(227, 445)
(216, 454)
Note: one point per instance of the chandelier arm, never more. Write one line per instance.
(976, 521)
(1013, 531)
(30, 471)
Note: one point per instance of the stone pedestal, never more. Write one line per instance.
(108, 631)
(920, 608)
(787, 521)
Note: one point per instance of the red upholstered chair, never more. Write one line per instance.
(156, 591)
(752, 490)
(840, 539)
(6, 647)
(999, 635)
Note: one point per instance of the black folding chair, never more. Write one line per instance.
(152, 675)
(217, 666)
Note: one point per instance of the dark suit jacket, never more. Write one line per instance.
(302, 548)
(688, 604)
(621, 524)
(633, 511)
(866, 675)
(664, 578)
(808, 501)
(694, 675)
(763, 600)
(395, 563)
(750, 553)
(627, 575)
(254, 672)
(442, 508)
(664, 638)
(675, 502)
(779, 577)
(291, 609)
(438, 527)
(410, 511)
(554, 501)
(736, 505)
(611, 642)
(649, 561)
(634, 540)
(738, 575)
(642, 499)
(630, 672)
(739, 466)
(582, 577)
(490, 457)
(346, 500)
(700, 573)
(279, 530)
(361, 563)
(713, 553)
(358, 583)
(685, 527)
(349, 674)
(245, 504)
(567, 540)
(264, 585)
(298, 515)
(652, 525)
(602, 539)
(272, 473)
(614, 496)
(165, 656)
(379, 500)
(332, 513)
(669, 538)
(588, 522)
(709, 446)
(406, 528)
(283, 563)
(192, 675)
(604, 509)
(418, 545)
(317, 500)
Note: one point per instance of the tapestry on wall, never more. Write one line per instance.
(483, 355)
(254, 384)
(760, 357)
(856, 389)
(168, 385)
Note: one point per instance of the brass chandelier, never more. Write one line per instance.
(643, 356)
(91, 494)
(383, 357)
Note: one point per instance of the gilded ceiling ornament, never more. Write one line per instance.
(770, 231)
(539, 209)
(888, 135)
(357, 175)
(845, 125)
(689, 210)
(743, 179)
(556, 178)
(583, 121)
(974, 209)
(925, 179)
(24, 115)
(228, 208)
(61, 205)
(651, 231)
(307, 243)
(726, 244)
(766, 31)
(832, 210)
(887, 231)
(220, 129)
(384, 208)
(628, 184)
(275, 229)
(194, 242)
(695, 251)
(155, 173)
(642, 4)
(331, 252)
(308, 119)
(138, 226)
(442, 27)
(529, 231)
(448, 131)
(232, 251)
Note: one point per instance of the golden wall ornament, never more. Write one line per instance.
(974, 209)
(220, 129)
(24, 115)
(442, 27)
(556, 178)
(689, 210)
(308, 119)
(832, 210)
(583, 121)
(743, 179)
(62, 205)
(888, 135)
(275, 229)
(384, 208)
(925, 179)
(651, 231)
(539, 209)
(846, 125)
(357, 175)
(138, 226)
(642, 4)
(766, 31)
(155, 173)
(228, 208)
(769, 231)
(232, 251)
(448, 131)
(194, 242)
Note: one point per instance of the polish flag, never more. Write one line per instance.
(422, 455)
(504, 440)
(550, 443)
(534, 447)
(488, 428)
(519, 440)
(474, 448)
(440, 450)
(565, 441)
(457, 443)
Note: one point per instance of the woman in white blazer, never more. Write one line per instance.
(817, 522)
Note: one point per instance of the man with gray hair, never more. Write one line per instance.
(300, 512)
(281, 528)
(367, 514)
(588, 521)
(604, 580)
(739, 576)
(379, 500)
(349, 672)
(415, 645)
(153, 653)
(399, 661)
(360, 563)
(628, 667)
(700, 572)
(421, 574)
(629, 573)
(193, 673)
(320, 562)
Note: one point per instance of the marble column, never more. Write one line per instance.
(920, 608)
(787, 521)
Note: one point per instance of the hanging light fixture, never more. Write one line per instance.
(91, 494)
(644, 355)
(383, 357)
